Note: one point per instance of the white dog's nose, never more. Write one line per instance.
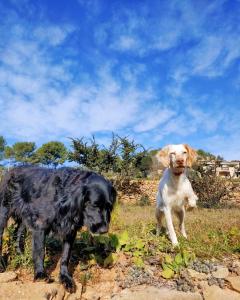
(180, 161)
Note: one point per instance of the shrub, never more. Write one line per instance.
(144, 200)
(210, 189)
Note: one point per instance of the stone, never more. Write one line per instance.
(198, 275)
(100, 290)
(91, 294)
(153, 293)
(216, 293)
(7, 277)
(221, 272)
(28, 290)
(235, 282)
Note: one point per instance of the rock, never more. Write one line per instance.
(28, 290)
(235, 282)
(61, 293)
(100, 290)
(221, 272)
(7, 277)
(236, 263)
(197, 275)
(153, 293)
(214, 292)
(91, 294)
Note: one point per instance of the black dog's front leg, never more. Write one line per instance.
(65, 278)
(38, 251)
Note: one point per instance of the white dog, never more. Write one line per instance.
(174, 188)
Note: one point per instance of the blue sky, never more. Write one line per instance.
(160, 72)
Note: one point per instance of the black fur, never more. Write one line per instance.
(61, 201)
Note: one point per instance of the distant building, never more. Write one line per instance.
(223, 168)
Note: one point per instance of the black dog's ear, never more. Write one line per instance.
(83, 198)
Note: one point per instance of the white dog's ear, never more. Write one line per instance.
(163, 156)
(192, 155)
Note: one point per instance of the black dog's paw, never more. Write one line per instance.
(2, 265)
(2, 269)
(67, 282)
(40, 276)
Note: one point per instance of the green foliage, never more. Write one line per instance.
(128, 158)
(144, 200)
(2, 146)
(109, 160)
(84, 154)
(16, 260)
(122, 156)
(172, 265)
(110, 260)
(8, 152)
(21, 152)
(205, 155)
(51, 153)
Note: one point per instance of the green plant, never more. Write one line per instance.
(172, 265)
(16, 260)
(144, 200)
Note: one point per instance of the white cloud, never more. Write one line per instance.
(40, 101)
(54, 35)
(153, 117)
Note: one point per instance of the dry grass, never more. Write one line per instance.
(211, 232)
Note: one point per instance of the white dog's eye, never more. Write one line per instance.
(184, 152)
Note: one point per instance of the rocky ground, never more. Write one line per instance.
(206, 280)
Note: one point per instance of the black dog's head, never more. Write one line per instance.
(98, 204)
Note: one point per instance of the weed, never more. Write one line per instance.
(144, 200)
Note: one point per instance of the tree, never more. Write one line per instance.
(143, 163)
(85, 154)
(2, 146)
(8, 154)
(128, 156)
(205, 155)
(109, 159)
(21, 151)
(51, 153)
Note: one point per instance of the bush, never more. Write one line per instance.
(210, 189)
(144, 200)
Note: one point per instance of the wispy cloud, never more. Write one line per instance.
(161, 73)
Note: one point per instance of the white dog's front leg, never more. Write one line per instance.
(181, 215)
(192, 200)
(171, 231)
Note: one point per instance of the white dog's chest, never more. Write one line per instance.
(172, 196)
(176, 198)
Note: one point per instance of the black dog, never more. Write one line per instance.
(61, 201)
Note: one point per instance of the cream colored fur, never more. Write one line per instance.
(175, 189)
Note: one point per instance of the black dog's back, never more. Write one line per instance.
(44, 197)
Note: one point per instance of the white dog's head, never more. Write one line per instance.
(177, 157)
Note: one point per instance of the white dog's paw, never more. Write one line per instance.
(174, 242)
(184, 234)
